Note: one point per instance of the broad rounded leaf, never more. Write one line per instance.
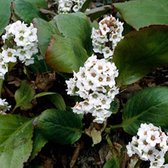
(147, 106)
(140, 52)
(44, 32)
(4, 14)
(142, 13)
(70, 42)
(25, 10)
(24, 95)
(75, 25)
(65, 54)
(64, 127)
(15, 140)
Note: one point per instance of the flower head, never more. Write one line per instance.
(95, 83)
(106, 37)
(67, 6)
(150, 144)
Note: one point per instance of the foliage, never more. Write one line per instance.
(146, 53)
(43, 98)
(16, 144)
(56, 125)
(143, 13)
(152, 109)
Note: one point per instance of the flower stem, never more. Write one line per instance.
(113, 150)
(107, 130)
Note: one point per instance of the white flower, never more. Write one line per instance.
(130, 150)
(104, 29)
(78, 108)
(107, 52)
(153, 137)
(71, 84)
(8, 55)
(4, 106)
(3, 70)
(3, 67)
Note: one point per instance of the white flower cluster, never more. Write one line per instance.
(67, 6)
(95, 83)
(105, 39)
(4, 106)
(150, 144)
(20, 42)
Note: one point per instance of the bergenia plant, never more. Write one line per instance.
(83, 84)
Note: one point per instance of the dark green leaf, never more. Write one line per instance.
(15, 140)
(64, 127)
(39, 66)
(38, 143)
(147, 106)
(24, 95)
(65, 54)
(142, 13)
(55, 98)
(85, 5)
(115, 105)
(25, 10)
(44, 33)
(58, 101)
(4, 14)
(140, 52)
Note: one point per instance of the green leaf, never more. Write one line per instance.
(44, 33)
(58, 101)
(4, 14)
(38, 143)
(75, 25)
(41, 94)
(70, 44)
(39, 66)
(147, 106)
(38, 3)
(65, 54)
(85, 5)
(113, 163)
(25, 10)
(64, 127)
(55, 98)
(15, 140)
(140, 52)
(142, 13)
(24, 95)
(114, 106)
